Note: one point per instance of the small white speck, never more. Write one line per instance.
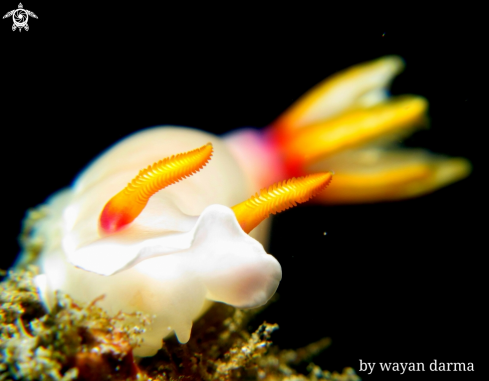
(325, 233)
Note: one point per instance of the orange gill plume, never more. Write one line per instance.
(349, 123)
(354, 87)
(126, 205)
(279, 197)
(396, 117)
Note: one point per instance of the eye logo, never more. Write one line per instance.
(20, 17)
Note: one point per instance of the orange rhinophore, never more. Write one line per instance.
(279, 197)
(126, 205)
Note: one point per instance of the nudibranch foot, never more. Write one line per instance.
(82, 341)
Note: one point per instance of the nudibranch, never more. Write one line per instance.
(163, 222)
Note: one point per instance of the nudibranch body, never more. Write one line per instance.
(184, 249)
(175, 247)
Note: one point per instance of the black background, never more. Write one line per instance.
(399, 282)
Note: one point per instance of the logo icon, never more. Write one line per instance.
(20, 17)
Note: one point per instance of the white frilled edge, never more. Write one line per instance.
(232, 267)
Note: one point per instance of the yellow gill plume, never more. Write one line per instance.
(399, 115)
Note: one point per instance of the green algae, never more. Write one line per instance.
(36, 344)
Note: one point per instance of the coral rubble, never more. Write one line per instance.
(81, 342)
